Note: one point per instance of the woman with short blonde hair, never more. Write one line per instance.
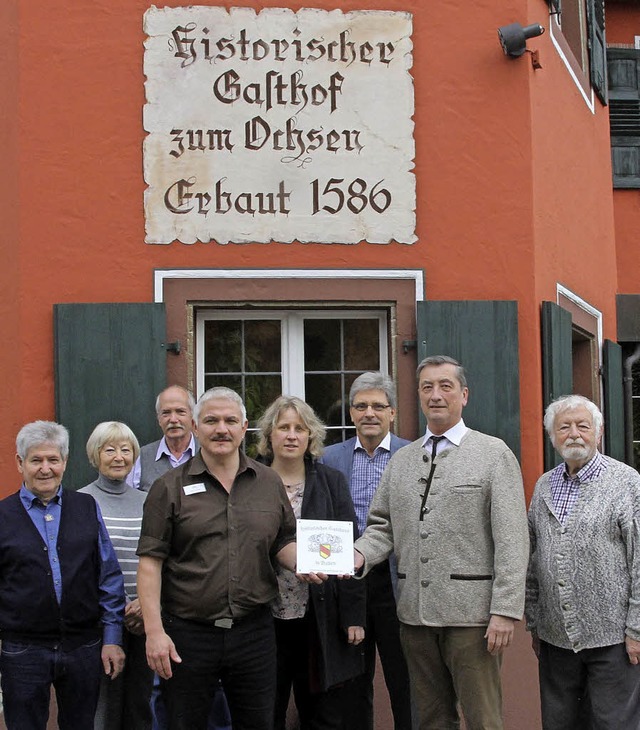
(112, 449)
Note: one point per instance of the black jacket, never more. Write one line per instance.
(336, 604)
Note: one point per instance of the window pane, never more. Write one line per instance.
(322, 344)
(257, 391)
(262, 346)
(228, 381)
(361, 344)
(574, 28)
(324, 395)
(222, 346)
(348, 347)
(251, 444)
(260, 390)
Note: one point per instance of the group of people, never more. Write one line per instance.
(181, 556)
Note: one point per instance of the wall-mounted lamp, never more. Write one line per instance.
(513, 37)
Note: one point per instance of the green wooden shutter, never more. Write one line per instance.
(628, 317)
(483, 337)
(557, 364)
(623, 65)
(597, 48)
(110, 363)
(613, 411)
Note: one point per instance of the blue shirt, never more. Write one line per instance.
(46, 519)
(365, 477)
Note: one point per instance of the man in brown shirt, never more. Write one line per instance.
(211, 531)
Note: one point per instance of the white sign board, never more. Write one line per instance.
(278, 125)
(324, 546)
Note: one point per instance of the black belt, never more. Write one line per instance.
(221, 623)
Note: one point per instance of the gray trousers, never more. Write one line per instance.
(450, 665)
(594, 689)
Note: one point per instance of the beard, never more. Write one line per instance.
(576, 451)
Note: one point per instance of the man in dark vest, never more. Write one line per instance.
(61, 591)
(174, 408)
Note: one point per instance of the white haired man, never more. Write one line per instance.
(61, 591)
(583, 582)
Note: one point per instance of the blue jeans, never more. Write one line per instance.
(27, 673)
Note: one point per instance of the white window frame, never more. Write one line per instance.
(597, 315)
(584, 305)
(162, 275)
(587, 93)
(292, 342)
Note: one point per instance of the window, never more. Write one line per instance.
(586, 341)
(573, 23)
(314, 354)
(623, 65)
(571, 344)
(577, 29)
(584, 355)
(389, 295)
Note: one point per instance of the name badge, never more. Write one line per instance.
(194, 488)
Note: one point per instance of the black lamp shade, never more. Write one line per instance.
(513, 37)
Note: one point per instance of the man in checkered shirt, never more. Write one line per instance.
(583, 583)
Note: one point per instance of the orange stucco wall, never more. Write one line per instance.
(627, 214)
(623, 21)
(510, 198)
(573, 203)
(11, 352)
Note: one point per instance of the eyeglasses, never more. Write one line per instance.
(377, 407)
